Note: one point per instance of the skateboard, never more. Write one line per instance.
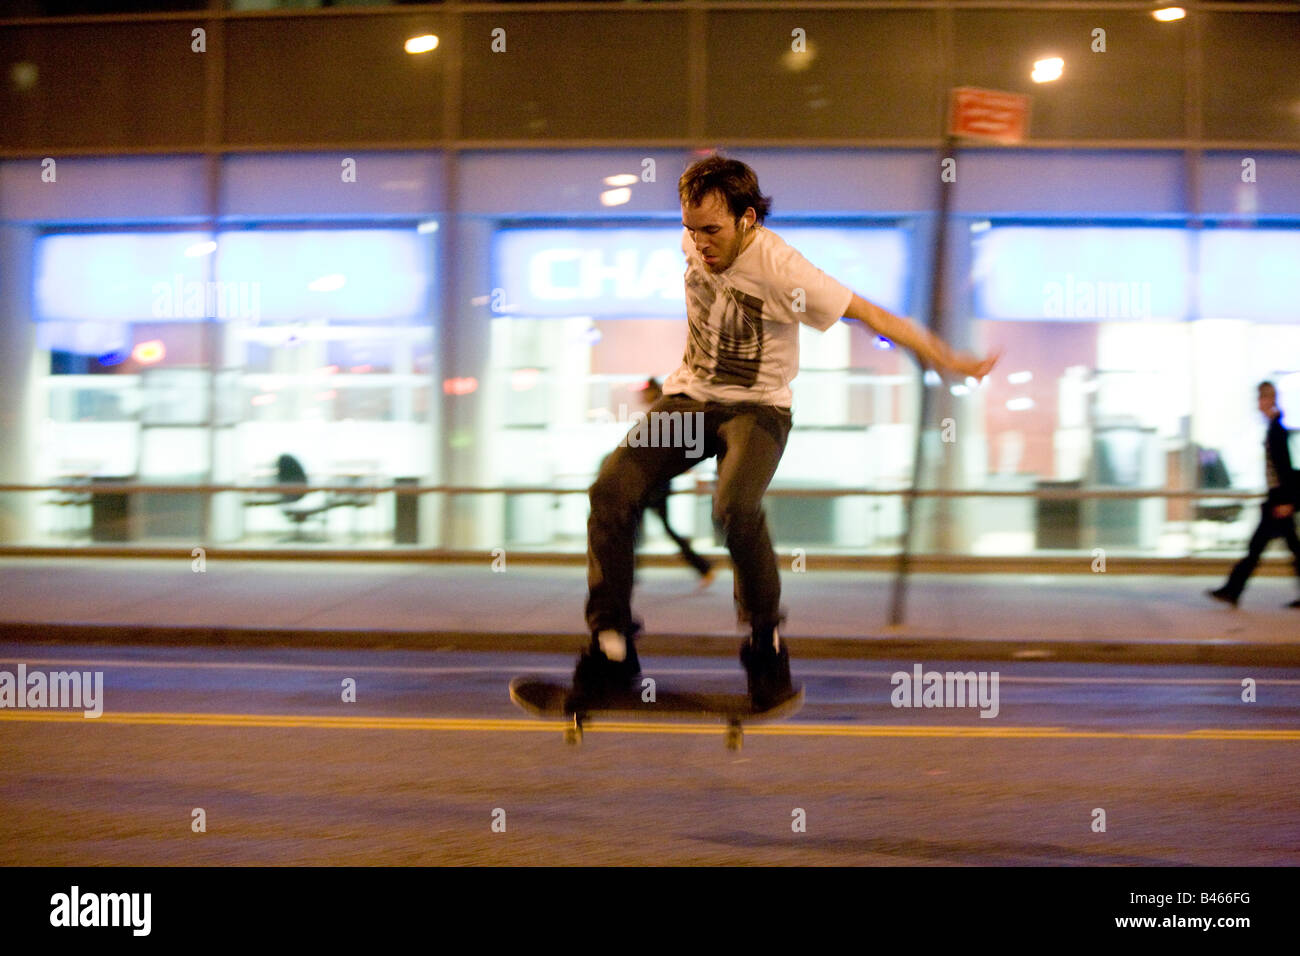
(548, 698)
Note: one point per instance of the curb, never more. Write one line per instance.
(865, 647)
(1073, 564)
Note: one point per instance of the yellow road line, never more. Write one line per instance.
(324, 722)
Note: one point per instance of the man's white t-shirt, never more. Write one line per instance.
(743, 324)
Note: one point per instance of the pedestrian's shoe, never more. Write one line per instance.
(1295, 603)
(1224, 595)
(768, 670)
(598, 676)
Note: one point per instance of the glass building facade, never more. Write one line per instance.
(423, 288)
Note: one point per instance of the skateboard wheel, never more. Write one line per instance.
(573, 732)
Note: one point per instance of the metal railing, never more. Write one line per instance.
(702, 488)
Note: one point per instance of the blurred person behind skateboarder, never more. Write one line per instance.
(651, 392)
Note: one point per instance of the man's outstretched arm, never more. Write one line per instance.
(929, 348)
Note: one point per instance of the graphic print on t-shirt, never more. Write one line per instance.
(735, 356)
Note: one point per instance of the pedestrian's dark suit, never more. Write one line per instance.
(1283, 489)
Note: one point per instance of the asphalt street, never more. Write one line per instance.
(431, 764)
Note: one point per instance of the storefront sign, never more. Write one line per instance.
(637, 273)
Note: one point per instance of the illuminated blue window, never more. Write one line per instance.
(114, 277)
(1250, 274)
(331, 273)
(273, 275)
(1080, 273)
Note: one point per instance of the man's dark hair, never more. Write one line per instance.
(1268, 387)
(737, 183)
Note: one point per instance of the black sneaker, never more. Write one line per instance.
(1224, 595)
(597, 678)
(768, 671)
(1295, 603)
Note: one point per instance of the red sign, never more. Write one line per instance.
(460, 386)
(988, 114)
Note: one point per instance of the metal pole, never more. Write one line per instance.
(938, 276)
(214, 334)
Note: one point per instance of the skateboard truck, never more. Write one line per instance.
(573, 732)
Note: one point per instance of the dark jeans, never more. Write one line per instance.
(748, 440)
(1269, 528)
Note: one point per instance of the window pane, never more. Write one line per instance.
(849, 73)
(574, 75)
(349, 79)
(1134, 89)
(1252, 86)
(113, 84)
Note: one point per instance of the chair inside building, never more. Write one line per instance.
(299, 506)
(1221, 513)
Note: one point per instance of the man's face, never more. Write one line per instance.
(715, 233)
(1267, 400)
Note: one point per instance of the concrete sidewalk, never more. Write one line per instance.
(1107, 617)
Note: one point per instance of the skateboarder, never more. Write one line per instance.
(1277, 514)
(658, 503)
(746, 293)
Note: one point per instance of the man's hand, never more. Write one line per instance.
(929, 348)
(1283, 511)
(964, 363)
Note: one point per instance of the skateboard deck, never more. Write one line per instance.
(547, 698)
